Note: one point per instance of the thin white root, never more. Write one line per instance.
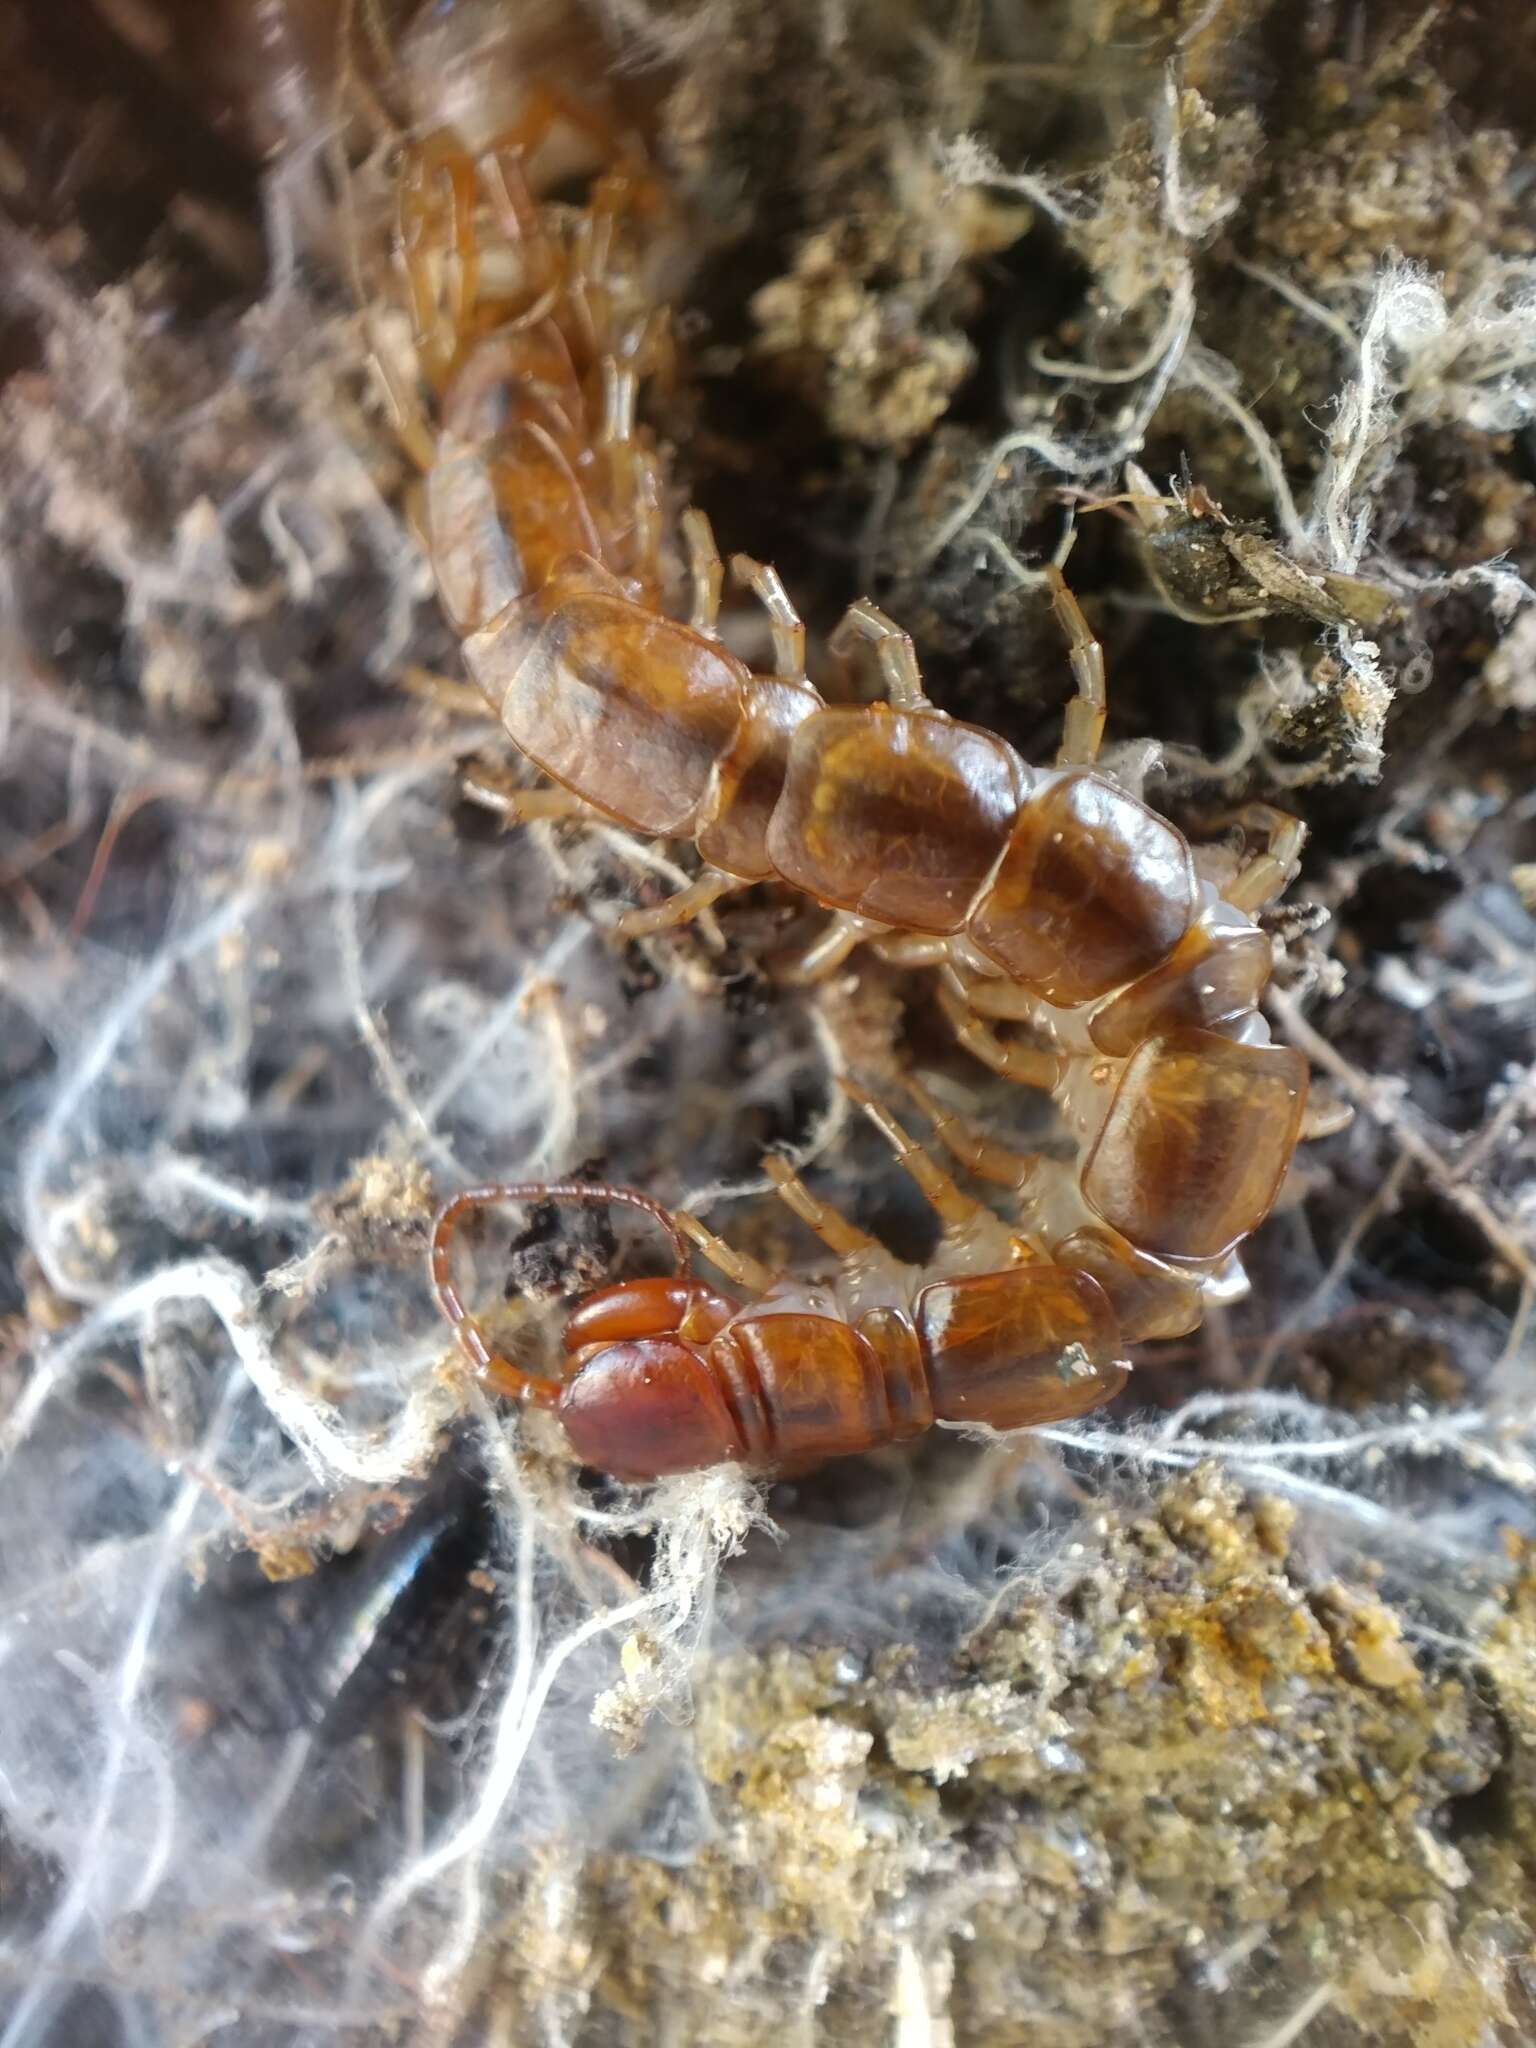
(333, 1451)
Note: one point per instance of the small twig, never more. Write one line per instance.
(1381, 1105)
(1304, 303)
(124, 805)
(1296, 2022)
(1311, 1310)
(1521, 1097)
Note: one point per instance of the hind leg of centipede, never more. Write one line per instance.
(821, 959)
(444, 693)
(844, 932)
(707, 577)
(911, 949)
(423, 239)
(1324, 1117)
(495, 790)
(998, 1001)
(502, 164)
(632, 491)
(677, 909)
(1083, 727)
(440, 244)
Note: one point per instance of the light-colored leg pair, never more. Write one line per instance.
(1084, 724)
(708, 579)
(955, 1209)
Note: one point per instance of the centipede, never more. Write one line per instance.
(1082, 946)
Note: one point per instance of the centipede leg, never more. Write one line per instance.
(825, 955)
(1024, 1063)
(506, 187)
(784, 621)
(1269, 873)
(893, 650)
(504, 180)
(515, 805)
(966, 1142)
(465, 278)
(1324, 1117)
(955, 1208)
(829, 1224)
(421, 238)
(679, 908)
(1004, 1000)
(439, 246)
(911, 949)
(631, 481)
(544, 106)
(1083, 728)
(704, 570)
(405, 410)
(739, 1267)
(445, 693)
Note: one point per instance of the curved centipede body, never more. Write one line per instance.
(1045, 897)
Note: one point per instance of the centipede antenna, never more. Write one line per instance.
(507, 1377)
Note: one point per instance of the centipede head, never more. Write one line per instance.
(488, 1364)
